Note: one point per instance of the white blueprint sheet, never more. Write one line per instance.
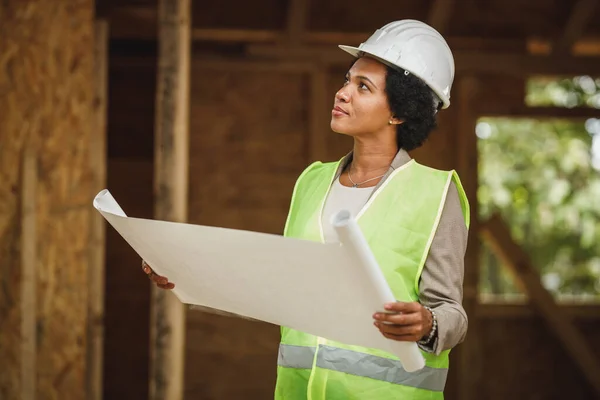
(329, 290)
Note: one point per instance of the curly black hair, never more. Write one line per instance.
(411, 101)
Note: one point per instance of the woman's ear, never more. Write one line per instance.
(395, 121)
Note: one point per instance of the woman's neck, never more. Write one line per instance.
(371, 158)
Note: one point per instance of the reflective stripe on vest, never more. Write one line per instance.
(361, 364)
(296, 356)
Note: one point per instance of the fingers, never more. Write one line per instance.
(403, 307)
(399, 319)
(402, 322)
(400, 330)
(161, 281)
(401, 338)
(146, 268)
(168, 286)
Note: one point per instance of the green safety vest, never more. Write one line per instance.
(399, 222)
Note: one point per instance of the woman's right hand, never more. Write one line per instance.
(161, 281)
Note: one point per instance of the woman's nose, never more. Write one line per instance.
(342, 95)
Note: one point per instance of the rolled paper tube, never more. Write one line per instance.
(352, 238)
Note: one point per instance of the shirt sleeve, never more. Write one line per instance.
(441, 283)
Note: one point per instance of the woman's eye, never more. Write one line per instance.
(363, 86)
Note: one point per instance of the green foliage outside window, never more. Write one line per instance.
(543, 177)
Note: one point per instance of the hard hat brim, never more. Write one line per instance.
(356, 52)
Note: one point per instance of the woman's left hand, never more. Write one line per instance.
(406, 322)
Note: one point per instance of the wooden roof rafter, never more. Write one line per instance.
(580, 16)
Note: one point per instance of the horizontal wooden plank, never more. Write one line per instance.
(523, 111)
(523, 310)
(525, 64)
(513, 64)
(219, 64)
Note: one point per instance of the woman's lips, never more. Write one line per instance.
(338, 112)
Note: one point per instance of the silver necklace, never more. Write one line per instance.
(354, 184)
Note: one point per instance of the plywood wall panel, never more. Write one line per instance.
(47, 95)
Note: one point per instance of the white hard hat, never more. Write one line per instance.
(415, 47)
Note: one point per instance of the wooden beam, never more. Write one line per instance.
(440, 13)
(274, 36)
(470, 354)
(589, 46)
(96, 265)
(522, 111)
(319, 54)
(521, 310)
(524, 64)
(170, 188)
(498, 237)
(219, 64)
(28, 275)
(334, 38)
(296, 20)
(580, 16)
(237, 35)
(512, 64)
(244, 64)
(257, 36)
(586, 47)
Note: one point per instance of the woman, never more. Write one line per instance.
(414, 218)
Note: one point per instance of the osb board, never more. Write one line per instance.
(524, 360)
(10, 273)
(46, 84)
(127, 299)
(248, 145)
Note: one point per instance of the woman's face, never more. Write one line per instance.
(361, 106)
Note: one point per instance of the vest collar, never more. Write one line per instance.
(401, 158)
